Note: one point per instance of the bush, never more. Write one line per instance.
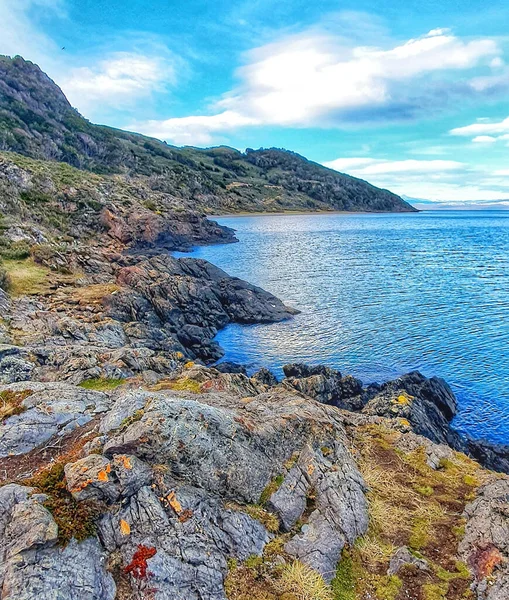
(4, 279)
(15, 251)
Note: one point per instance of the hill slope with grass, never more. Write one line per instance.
(36, 120)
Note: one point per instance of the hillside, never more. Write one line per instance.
(37, 121)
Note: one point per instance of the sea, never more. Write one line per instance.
(381, 295)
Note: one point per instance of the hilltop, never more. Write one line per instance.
(37, 121)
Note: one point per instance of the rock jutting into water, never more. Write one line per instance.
(131, 470)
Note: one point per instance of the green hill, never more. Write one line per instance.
(37, 121)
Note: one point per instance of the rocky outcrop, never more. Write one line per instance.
(325, 385)
(485, 546)
(44, 410)
(32, 565)
(180, 304)
(179, 474)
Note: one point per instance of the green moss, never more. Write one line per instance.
(424, 490)
(101, 384)
(136, 416)
(388, 587)
(266, 518)
(271, 488)
(470, 480)
(420, 533)
(435, 591)
(185, 385)
(343, 584)
(14, 250)
(26, 278)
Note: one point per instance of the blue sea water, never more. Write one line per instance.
(381, 295)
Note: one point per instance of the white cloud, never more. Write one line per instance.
(484, 129)
(484, 139)
(117, 79)
(316, 79)
(120, 79)
(371, 166)
(437, 180)
(192, 130)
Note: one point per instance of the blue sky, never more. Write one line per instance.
(412, 95)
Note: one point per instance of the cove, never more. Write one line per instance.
(380, 295)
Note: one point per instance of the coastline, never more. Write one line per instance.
(308, 213)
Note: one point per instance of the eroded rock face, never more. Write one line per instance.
(46, 410)
(325, 385)
(485, 546)
(33, 566)
(428, 404)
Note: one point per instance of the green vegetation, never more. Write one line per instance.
(271, 488)
(45, 126)
(101, 384)
(74, 519)
(25, 278)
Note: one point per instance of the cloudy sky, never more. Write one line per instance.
(412, 95)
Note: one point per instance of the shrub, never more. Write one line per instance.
(4, 279)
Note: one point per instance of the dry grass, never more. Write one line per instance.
(11, 403)
(26, 278)
(413, 505)
(303, 582)
(94, 294)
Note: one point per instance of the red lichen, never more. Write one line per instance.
(138, 565)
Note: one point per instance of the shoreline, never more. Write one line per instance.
(307, 212)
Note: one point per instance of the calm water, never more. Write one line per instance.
(381, 295)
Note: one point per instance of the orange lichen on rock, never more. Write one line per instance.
(126, 461)
(174, 503)
(138, 565)
(103, 475)
(484, 560)
(125, 528)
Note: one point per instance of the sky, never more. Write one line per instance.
(411, 95)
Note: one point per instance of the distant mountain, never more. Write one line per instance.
(37, 121)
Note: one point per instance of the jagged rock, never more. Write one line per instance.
(91, 478)
(485, 545)
(265, 377)
(190, 543)
(14, 365)
(33, 567)
(427, 404)
(48, 409)
(492, 456)
(184, 302)
(404, 557)
(340, 515)
(289, 501)
(230, 367)
(325, 385)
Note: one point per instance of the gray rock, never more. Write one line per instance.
(14, 364)
(341, 513)
(289, 501)
(189, 560)
(403, 557)
(33, 567)
(51, 409)
(486, 540)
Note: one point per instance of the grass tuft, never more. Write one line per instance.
(101, 384)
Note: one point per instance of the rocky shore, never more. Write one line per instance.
(130, 468)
